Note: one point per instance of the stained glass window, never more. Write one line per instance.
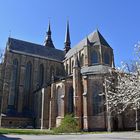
(106, 58)
(94, 57)
(70, 100)
(27, 85)
(14, 87)
(41, 75)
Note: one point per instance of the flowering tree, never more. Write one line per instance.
(122, 91)
(131, 96)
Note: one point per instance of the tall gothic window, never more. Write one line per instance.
(97, 108)
(60, 102)
(41, 75)
(94, 57)
(70, 100)
(27, 85)
(12, 102)
(51, 72)
(106, 58)
(72, 64)
(82, 60)
(67, 69)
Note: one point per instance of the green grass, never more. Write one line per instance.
(26, 131)
(41, 132)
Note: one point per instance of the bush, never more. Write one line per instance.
(68, 125)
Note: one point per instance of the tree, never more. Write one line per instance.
(112, 99)
(131, 97)
(122, 91)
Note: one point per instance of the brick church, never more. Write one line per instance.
(40, 84)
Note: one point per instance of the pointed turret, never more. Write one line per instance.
(99, 38)
(87, 42)
(48, 40)
(67, 39)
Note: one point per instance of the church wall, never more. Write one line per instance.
(1, 83)
(129, 119)
(69, 90)
(6, 80)
(46, 106)
(61, 107)
(22, 61)
(95, 86)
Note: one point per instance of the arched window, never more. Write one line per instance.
(27, 85)
(106, 58)
(82, 60)
(41, 75)
(51, 72)
(67, 66)
(13, 95)
(60, 102)
(70, 100)
(97, 108)
(72, 64)
(94, 57)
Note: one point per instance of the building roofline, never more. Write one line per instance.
(34, 55)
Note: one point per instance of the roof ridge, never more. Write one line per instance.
(25, 47)
(25, 41)
(98, 33)
(32, 43)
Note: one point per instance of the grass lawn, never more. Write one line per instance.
(40, 132)
(25, 131)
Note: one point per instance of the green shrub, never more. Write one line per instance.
(68, 125)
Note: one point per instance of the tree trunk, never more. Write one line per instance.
(107, 109)
(109, 122)
(136, 111)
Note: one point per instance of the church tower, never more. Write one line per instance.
(67, 42)
(48, 40)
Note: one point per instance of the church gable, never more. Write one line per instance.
(92, 39)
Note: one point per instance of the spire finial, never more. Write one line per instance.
(48, 40)
(87, 42)
(49, 27)
(67, 38)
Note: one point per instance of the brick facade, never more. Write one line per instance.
(47, 88)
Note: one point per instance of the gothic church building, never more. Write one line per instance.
(40, 84)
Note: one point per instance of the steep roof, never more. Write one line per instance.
(32, 49)
(94, 38)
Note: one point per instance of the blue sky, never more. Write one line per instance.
(117, 20)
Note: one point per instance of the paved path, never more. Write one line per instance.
(111, 136)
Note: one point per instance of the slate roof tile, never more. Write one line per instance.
(35, 49)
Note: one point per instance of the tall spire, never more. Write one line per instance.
(48, 41)
(49, 29)
(67, 39)
(87, 42)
